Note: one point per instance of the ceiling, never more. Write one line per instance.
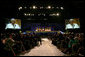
(8, 7)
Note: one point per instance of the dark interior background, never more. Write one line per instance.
(73, 9)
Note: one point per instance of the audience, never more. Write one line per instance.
(71, 43)
(13, 44)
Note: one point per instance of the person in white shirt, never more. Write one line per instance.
(72, 25)
(12, 25)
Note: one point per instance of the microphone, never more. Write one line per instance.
(73, 26)
(14, 26)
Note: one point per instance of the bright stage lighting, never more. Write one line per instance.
(25, 14)
(34, 7)
(57, 14)
(49, 7)
(62, 8)
(20, 8)
(29, 14)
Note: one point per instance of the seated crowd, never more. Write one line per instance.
(12, 44)
(71, 43)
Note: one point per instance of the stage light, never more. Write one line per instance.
(20, 8)
(53, 14)
(34, 7)
(29, 14)
(57, 14)
(25, 14)
(62, 8)
(36, 30)
(49, 7)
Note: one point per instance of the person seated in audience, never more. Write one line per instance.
(81, 49)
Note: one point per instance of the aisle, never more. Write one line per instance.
(46, 49)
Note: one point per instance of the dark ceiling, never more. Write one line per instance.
(8, 7)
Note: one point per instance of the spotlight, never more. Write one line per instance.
(57, 14)
(53, 14)
(20, 8)
(29, 14)
(62, 8)
(49, 7)
(34, 7)
(25, 14)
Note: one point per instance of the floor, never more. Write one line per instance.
(46, 49)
